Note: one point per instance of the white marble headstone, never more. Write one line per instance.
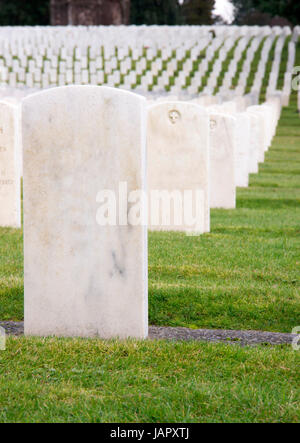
(10, 165)
(242, 152)
(255, 142)
(222, 161)
(178, 159)
(83, 278)
(262, 131)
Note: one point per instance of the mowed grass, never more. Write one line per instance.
(65, 380)
(11, 274)
(245, 274)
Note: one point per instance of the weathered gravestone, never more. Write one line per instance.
(10, 181)
(222, 161)
(266, 115)
(255, 137)
(275, 101)
(241, 103)
(229, 107)
(18, 128)
(272, 117)
(178, 163)
(206, 100)
(83, 278)
(262, 131)
(242, 152)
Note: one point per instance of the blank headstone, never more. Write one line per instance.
(242, 152)
(178, 158)
(262, 131)
(255, 137)
(18, 128)
(83, 278)
(10, 163)
(222, 161)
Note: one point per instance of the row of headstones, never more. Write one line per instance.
(91, 50)
(275, 66)
(240, 134)
(147, 79)
(49, 72)
(287, 87)
(243, 77)
(85, 247)
(135, 36)
(218, 65)
(296, 34)
(233, 65)
(259, 76)
(103, 57)
(14, 47)
(15, 96)
(89, 67)
(248, 161)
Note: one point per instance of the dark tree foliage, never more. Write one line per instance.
(172, 12)
(257, 18)
(148, 12)
(287, 9)
(24, 12)
(198, 12)
(155, 12)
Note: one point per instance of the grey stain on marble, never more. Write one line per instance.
(117, 267)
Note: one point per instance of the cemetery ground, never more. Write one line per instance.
(243, 275)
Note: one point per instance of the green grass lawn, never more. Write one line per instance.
(64, 380)
(11, 274)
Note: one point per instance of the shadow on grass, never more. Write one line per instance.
(267, 204)
(259, 233)
(205, 309)
(12, 303)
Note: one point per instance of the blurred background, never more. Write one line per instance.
(149, 12)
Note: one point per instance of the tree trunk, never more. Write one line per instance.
(90, 12)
